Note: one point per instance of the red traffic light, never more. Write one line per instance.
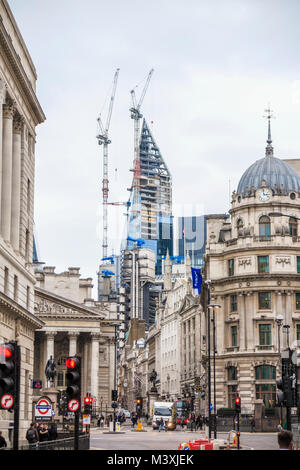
(6, 351)
(238, 400)
(72, 362)
(88, 400)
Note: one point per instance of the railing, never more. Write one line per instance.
(59, 444)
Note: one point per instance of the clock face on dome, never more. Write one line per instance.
(264, 194)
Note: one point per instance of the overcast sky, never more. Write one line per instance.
(217, 64)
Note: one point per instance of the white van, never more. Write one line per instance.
(165, 410)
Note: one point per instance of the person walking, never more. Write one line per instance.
(32, 436)
(161, 424)
(252, 423)
(2, 441)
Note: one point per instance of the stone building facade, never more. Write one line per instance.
(253, 262)
(73, 323)
(20, 113)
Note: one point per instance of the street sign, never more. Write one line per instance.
(86, 420)
(37, 384)
(211, 407)
(7, 401)
(73, 405)
(43, 408)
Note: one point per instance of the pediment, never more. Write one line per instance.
(49, 305)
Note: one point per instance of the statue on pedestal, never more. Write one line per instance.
(153, 377)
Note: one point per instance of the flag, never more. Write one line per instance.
(197, 279)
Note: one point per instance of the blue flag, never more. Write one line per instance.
(197, 279)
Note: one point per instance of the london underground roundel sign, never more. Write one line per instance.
(43, 407)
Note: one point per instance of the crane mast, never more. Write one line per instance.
(103, 139)
(137, 116)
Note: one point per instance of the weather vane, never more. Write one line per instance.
(269, 115)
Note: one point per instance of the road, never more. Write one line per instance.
(153, 440)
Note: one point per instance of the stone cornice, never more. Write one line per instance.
(20, 311)
(73, 309)
(250, 249)
(14, 62)
(256, 277)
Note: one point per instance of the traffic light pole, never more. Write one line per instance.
(17, 397)
(208, 366)
(76, 430)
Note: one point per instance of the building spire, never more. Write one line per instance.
(269, 147)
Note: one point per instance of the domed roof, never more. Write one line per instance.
(278, 175)
(274, 171)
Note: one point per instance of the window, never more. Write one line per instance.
(264, 228)
(265, 336)
(6, 280)
(298, 264)
(16, 288)
(264, 300)
(231, 267)
(240, 224)
(265, 372)
(297, 300)
(60, 379)
(234, 336)
(232, 373)
(263, 264)
(233, 303)
(267, 393)
(28, 297)
(293, 225)
(298, 334)
(232, 393)
(28, 195)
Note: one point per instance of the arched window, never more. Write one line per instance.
(293, 225)
(239, 224)
(264, 228)
(265, 387)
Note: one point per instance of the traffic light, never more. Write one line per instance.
(88, 403)
(237, 404)
(114, 395)
(73, 381)
(8, 365)
(139, 405)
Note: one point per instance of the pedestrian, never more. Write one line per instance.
(32, 436)
(52, 432)
(197, 422)
(44, 433)
(182, 422)
(200, 422)
(161, 424)
(285, 440)
(2, 441)
(252, 423)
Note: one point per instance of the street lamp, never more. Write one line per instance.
(214, 306)
(279, 321)
(115, 324)
(286, 329)
(208, 282)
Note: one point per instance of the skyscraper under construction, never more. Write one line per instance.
(150, 217)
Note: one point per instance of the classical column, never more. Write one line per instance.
(48, 351)
(16, 183)
(73, 342)
(241, 308)
(85, 369)
(2, 100)
(249, 308)
(95, 365)
(289, 310)
(7, 148)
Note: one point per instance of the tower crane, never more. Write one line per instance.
(137, 116)
(103, 139)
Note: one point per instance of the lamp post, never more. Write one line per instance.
(214, 306)
(208, 282)
(115, 324)
(279, 321)
(286, 329)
